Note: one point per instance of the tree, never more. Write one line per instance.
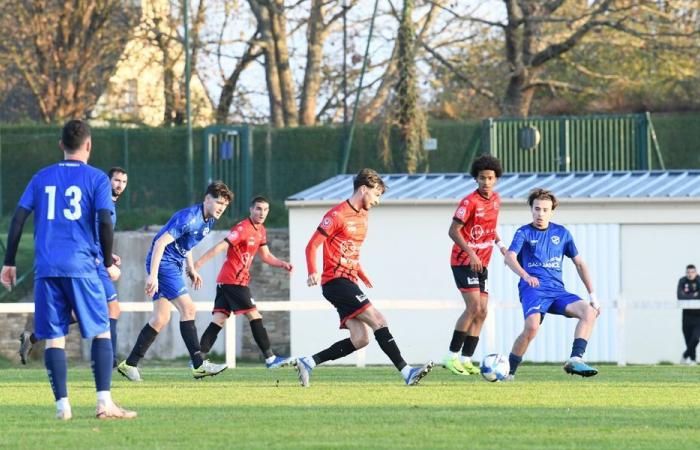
(65, 51)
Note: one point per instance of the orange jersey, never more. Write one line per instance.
(479, 216)
(244, 240)
(345, 229)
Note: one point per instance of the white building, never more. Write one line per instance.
(636, 230)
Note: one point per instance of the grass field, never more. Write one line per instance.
(624, 407)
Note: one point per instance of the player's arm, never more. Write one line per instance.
(192, 273)
(363, 276)
(455, 233)
(511, 260)
(316, 240)
(499, 243)
(156, 255)
(209, 254)
(681, 292)
(268, 258)
(8, 276)
(106, 232)
(585, 276)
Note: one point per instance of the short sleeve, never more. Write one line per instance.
(27, 199)
(463, 211)
(181, 225)
(329, 225)
(518, 240)
(263, 237)
(235, 235)
(570, 249)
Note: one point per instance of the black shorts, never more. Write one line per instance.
(468, 281)
(233, 298)
(347, 298)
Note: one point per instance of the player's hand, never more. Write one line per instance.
(476, 264)
(365, 280)
(151, 285)
(313, 279)
(593, 300)
(503, 250)
(286, 266)
(531, 281)
(114, 272)
(117, 260)
(8, 277)
(195, 279)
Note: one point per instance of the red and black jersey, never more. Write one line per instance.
(345, 229)
(479, 215)
(244, 240)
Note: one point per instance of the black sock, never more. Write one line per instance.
(579, 347)
(470, 345)
(388, 345)
(514, 361)
(188, 331)
(33, 339)
(260, 336)
(335, 351)
(209, 337)
(143, 342)
(457, 340)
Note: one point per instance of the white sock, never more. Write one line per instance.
(454, 354)
(406, 371)
(465, 359)
(310, 361)
(62, 404)
(104, 397)
(270, 359)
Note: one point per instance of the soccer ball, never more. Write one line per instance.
(494, 367)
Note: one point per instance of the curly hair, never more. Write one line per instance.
(542, 194)
(486, 162)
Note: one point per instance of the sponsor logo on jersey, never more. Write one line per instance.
(533, 242)
(251, 242)
(461, 212)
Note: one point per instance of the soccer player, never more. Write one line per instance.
(168, 255)
(118, 179)
(232, 292)
(67, 197)
(342, 232)
(536, 255)
(689, 289)
(473, 231)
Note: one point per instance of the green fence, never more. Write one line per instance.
(574, 143)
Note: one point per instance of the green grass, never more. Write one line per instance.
(250, 407)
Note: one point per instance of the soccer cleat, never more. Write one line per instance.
(279, 361)
(304, 370)
(111, 410)
(416, 374)
(208, 369)
(25, 346)
(64, 414)
(576, 366)
(688, 362)
(470, 368)
(508, 378)
(130, 372)
(453, 365)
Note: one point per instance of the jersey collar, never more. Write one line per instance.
(252, 223)
(539, 229)
(353, 208)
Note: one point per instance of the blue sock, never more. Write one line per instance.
(514, 361)
(101, 356)
(113, 332)
(579, 347)
(57, 368)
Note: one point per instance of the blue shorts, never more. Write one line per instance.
(107, 284)
(171, 285)
(541, 300)
(56, 297)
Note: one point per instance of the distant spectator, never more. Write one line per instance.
(689, 289)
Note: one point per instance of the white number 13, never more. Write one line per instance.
(75, 194)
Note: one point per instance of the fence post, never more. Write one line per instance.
(564, 156)
(125, 147)
(487, 144)
(642, 142)
(230, 341)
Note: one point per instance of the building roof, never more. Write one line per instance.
(682, 185)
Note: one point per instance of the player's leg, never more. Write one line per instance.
(687, 336)
(200, 367)
(694, 339)
(468, 284)
(51, 321)
(159, 318)
(378, 323)
(27, 339)
(272, 361)
(478, 308)
(218, 320)
(586, 316)
(87, 298)
(530, 329)
(114, 312)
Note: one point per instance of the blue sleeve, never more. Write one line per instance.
(27, 199)
(518, 241)
(570, 249)
(103, 194)
(179, 224)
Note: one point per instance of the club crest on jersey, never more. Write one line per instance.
(233, 236)
(476, 232)
(555, 240)
(205, 231)
(326, 223)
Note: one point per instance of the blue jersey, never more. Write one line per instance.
(541, 253)
(65, 198)
(188, 227)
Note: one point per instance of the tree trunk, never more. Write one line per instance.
(227, 91)
(286, 82)
(315, 36)
(262, 15)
